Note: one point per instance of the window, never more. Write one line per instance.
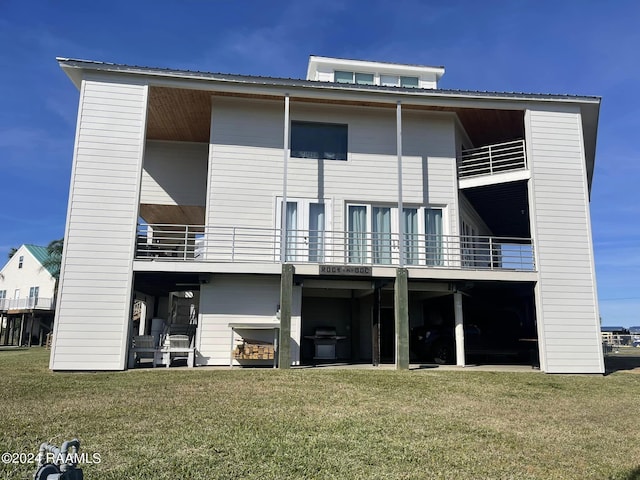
(364, 78)
(395, 81)
(20, 261)
(323, 141)
(409, 82)
(3, 299)
(351, 77)
(343, 77)
(33, 296)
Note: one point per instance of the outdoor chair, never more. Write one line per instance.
(178, 347)
(143, 346)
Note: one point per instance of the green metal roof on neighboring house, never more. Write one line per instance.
(41, 255)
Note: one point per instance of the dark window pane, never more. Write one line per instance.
(319, 140)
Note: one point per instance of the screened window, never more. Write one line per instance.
(326, 141)
(20, 261)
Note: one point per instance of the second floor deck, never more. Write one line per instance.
(189, 243)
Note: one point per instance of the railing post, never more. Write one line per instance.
(491, 252)
(233, 244)
(490, 161)
(524, 154)
(186, 242)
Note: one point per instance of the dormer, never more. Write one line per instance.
(360, 72)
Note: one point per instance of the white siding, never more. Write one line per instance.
(32, 274)
(174, 173)
(240, 299)
(246, 161)
(566, 293)
(91, 323)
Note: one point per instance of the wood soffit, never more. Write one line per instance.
(185, 115)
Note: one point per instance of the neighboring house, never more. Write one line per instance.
(26, 297)
(346, 209)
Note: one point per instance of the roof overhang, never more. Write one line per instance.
(328, 92)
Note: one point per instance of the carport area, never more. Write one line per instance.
(496, 323)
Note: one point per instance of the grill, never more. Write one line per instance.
(324, 341)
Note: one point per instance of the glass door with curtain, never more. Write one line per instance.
(381, 235)
(305, 225)
(433, 235)
(357, 235)
(411, 236)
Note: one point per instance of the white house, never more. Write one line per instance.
(26, 297)
(347, 210)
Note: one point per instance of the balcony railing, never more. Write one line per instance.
(26, 303)
(492, 159)
(262, 245)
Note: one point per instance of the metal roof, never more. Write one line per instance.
(41, 254)
(281, 81)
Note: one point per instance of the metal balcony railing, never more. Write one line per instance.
(26, 303)
(262, 245)
(492, 159)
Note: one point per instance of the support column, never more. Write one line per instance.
(21, 331)
(400, 200)
(401, 304)
(285, 161)
(459, 329)
(375, 325)
(286, 302)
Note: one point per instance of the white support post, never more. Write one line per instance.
(400, 208)
(459, 329)
(283, 213)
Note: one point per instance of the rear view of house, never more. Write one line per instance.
(336, 218)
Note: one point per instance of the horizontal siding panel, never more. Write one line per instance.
(94, 299)
(569, 319)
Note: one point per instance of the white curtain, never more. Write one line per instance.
(410, 221)
(316, 232)
(357, 234)
(433, 229)
(382, 235)
(291, 231)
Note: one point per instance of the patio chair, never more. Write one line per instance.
(178, 347)
(142, 346)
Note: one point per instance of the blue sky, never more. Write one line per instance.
(581, 47)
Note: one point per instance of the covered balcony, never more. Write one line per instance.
(491, 164)
(176, 243)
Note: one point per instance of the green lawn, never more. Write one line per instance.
(323, 423)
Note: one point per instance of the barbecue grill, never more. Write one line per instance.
(324, 341)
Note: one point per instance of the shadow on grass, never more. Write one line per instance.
(616, 363)
(634, 474)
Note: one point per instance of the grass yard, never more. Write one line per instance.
(323, 423)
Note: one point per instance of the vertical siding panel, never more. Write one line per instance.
(569, 337)
(77, 332)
